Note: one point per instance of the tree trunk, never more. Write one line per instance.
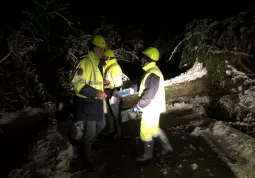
(198, 86)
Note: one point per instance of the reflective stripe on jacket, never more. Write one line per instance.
(151, 112)
(88, 76)
(113, 73)
(87, 72)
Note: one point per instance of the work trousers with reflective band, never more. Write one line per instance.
(92, 129)
(149, 127)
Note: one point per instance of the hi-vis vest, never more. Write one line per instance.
(157, 104)
(113, 73)
(90, 74)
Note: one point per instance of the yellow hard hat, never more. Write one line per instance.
(109, 53)
(152, 53)
(99, 41)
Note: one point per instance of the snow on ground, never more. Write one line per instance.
(233, 144)
(50, 157)
(197, 71)
(237, 141)
(196, 103)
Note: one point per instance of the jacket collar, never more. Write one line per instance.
(94, 59)
(110, 62)
(149, 66)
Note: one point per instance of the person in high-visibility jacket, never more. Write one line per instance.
(90, 97)
(151, 104)
(113, 83)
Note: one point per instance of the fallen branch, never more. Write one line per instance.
(218, 51)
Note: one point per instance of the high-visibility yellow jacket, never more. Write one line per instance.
(155, 102)
(113, 73)
(86, 82)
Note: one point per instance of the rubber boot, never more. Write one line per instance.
(148, 152)
(88, 157)
(163, 140)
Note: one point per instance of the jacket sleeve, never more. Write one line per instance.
(80, 85)
(88, 91)
(116, 75)
(151, 88)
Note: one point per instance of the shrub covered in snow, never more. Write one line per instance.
(226, 49)
(40, 61)
(237, 106)
(232, 35)
(212, 42)
(240, 104)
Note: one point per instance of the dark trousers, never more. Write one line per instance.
(114, 111)
(92, 129)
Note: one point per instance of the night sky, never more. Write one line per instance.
(154, 17)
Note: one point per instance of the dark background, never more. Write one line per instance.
(154, 17)
(164, 20)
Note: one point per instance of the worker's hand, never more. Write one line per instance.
(137, 109)
(101, 95)
(132, 114)
(112, 100)
(135, 112)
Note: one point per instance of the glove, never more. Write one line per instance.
(137, 109)
(134, 113)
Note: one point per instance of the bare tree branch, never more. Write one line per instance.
(68, 22)
(5, 57)
(218, 51)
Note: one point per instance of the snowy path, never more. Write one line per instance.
(192, 157)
